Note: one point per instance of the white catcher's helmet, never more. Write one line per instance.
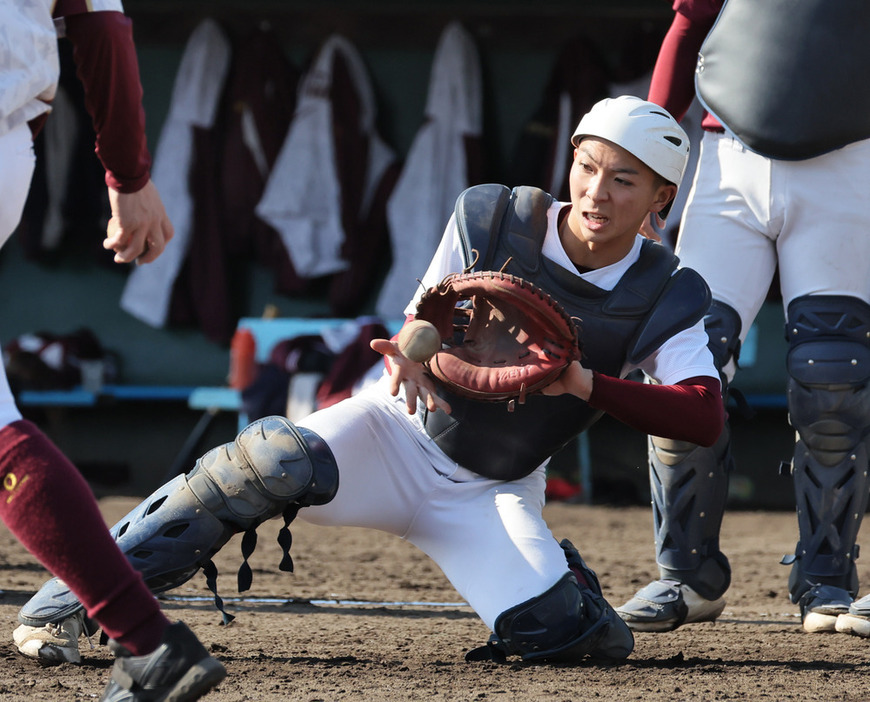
(642, 128)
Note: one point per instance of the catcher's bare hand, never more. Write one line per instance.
(411, 375)
(139, 228)
(576, 380)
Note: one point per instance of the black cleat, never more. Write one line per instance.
(179, 670)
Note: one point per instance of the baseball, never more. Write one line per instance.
(419, 340)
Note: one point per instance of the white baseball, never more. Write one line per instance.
(419, 340)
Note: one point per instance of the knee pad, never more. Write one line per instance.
(270, 464)
(567, 622)
(272, 467)
(689, 485)
(723, 326)
(829, 407)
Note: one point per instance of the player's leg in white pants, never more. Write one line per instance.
(365, 462)
(488, 537)
(747, 214)
(823, 269)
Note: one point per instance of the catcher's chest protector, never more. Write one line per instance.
(647, 306)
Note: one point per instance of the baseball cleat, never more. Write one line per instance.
(857, 620)
(54, 642)
(665, 605)
(178, 670)
(821, 607)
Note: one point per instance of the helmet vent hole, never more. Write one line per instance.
(674, 140)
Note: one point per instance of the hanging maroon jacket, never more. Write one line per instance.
(542, 156)
(260, 100)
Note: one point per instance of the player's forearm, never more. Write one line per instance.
(673, 81)
(688, 411)
(107, 66)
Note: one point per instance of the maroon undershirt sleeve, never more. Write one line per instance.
(108, 67)
(673, 80)
(688, 411)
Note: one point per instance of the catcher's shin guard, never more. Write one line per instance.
(270, 468)
(829, 407)
(689, 484)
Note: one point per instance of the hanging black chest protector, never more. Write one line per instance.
(789, 78)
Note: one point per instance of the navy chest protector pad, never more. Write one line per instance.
(490, 214)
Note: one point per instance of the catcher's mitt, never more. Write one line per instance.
(503, 337)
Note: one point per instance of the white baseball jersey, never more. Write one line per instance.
(29, 66)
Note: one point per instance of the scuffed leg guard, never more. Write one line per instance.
(270, 468)
(689, 488)
(689, 483)
(829, 407)
(569, 621)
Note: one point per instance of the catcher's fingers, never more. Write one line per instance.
(648, 230)
(411, 375)
(434, 401)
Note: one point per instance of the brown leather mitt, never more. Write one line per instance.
(502, 337)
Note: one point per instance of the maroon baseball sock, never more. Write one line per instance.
(49, 507)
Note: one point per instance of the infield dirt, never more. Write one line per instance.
(295, 638)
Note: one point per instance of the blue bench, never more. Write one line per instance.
(267, 333)
(80, 397)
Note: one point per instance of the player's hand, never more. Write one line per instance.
(647, 228)
(411, 375)
(139, 228)
(576, 380)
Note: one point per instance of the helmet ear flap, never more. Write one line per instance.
(663, 213)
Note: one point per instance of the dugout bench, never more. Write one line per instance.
(762, 379)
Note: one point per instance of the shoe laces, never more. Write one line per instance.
(76, 621)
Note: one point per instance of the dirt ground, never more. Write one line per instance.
(367, 617)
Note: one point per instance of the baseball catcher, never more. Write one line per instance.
(450, 452)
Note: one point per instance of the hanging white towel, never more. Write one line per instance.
(435, 171)
(302, 199)
(195, 100)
